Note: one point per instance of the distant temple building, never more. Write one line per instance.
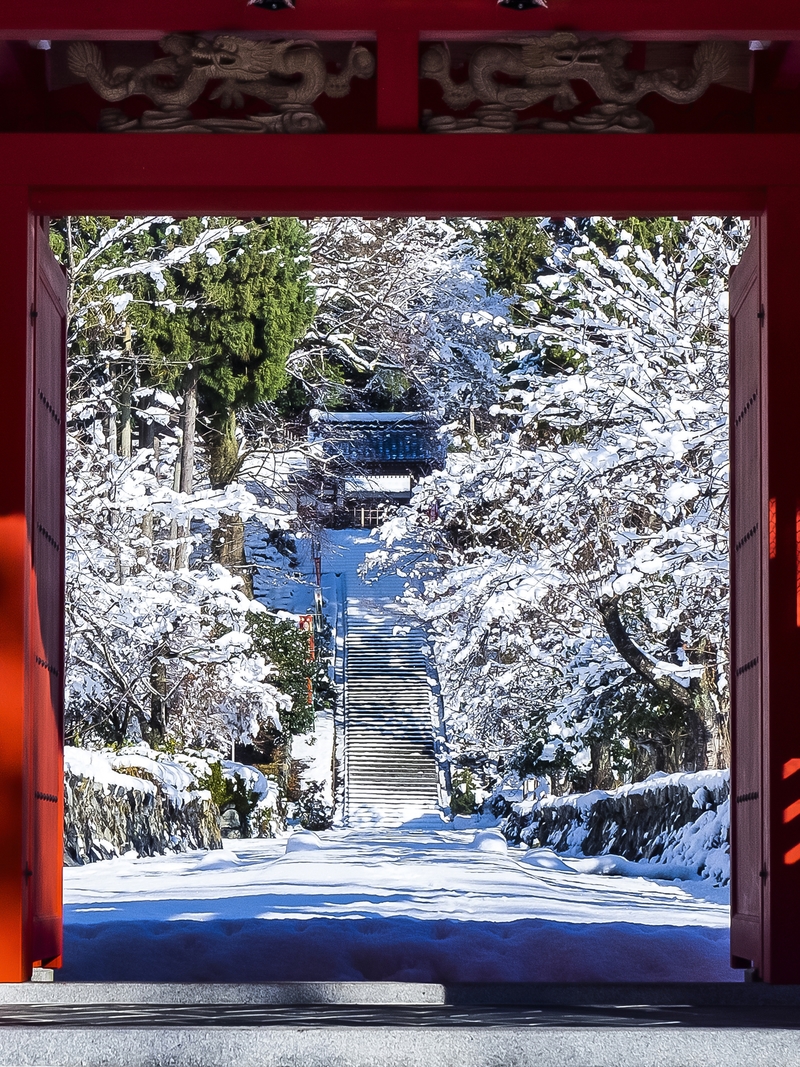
(369, 460)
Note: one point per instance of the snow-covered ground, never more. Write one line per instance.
(449, 905)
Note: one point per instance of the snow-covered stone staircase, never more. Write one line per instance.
(391, 774)
(386, 748)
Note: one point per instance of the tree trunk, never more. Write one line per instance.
(223, 451)
(227, 548)
(602, 770)
(158, 702)
(125, 436)
(182, 548)
(189, 430)
(112, 431)
(701, 721)
(186, 481)
(635, 658)
(714, 725)
(227, 541)
(148, 534)
(147, 433)
(173, 526)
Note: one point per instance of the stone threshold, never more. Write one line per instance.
(365, 1024)
(421, 994)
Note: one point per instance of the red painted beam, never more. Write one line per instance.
(433, 202)
(401, 174)
(768, 19)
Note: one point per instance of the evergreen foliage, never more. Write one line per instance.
(230, 793)
(283, 643)
(229, 317)
(462, 793)
(514, 251)
(311, 811)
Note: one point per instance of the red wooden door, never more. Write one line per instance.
(750, 547)
(46, 608)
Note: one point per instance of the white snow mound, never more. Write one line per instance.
(546, 859)
(490, 841)
(303, 841)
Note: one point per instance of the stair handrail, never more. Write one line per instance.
(340, 719)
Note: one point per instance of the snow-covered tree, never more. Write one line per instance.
(404, 319)
(155, 649)
(573, 562)
(220, 317)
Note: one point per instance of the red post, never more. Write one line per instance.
(398, 81)
(15, 567)
(781, 725)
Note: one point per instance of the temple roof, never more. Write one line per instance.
(376, 437)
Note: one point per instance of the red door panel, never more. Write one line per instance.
(749, 541)
(46, 637)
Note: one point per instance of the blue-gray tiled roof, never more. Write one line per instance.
(379, 442)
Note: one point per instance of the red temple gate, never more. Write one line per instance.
(735, 150)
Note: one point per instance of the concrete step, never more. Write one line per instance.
(396, 802)
(387, 717)
(412, 764)
(386, 786)
(385, 746)
(388, 752)
(418, 756)
(418, 747)
(388, 731)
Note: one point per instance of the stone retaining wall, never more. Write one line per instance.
(668, 818)
(107, 819)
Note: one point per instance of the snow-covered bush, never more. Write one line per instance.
(229, 783)
(669, 826)
(311, 811)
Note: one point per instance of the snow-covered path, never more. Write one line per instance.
(405, 905)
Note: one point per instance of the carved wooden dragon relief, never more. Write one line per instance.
(544, 68)
(288, 75)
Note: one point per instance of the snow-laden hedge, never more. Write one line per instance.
(142, 801)
(680, 820)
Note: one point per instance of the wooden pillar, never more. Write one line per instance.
(781, 589)
(15, 329)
